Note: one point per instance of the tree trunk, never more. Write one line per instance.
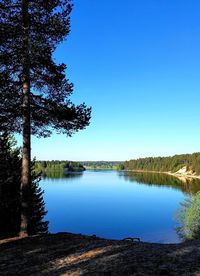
(26, 148)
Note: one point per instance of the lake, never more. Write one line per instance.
(116, 205)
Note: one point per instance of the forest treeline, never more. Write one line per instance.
(56, 165)
(166, 164)
(102, 165)
(71, 166)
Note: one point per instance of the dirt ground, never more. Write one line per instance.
(70, 254)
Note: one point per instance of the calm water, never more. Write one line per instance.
(116, 205)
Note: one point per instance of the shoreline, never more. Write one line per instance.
(178, 175)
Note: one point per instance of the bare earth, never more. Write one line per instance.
(69, 254)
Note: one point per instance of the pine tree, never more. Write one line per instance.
(37, 206)
(10, 200)
(10, 165)
(34, 96)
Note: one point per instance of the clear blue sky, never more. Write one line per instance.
(137, 63)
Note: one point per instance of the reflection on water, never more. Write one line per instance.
(116, 205)
(188, 214)
(186, 185)
(53, 174)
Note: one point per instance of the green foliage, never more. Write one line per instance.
(10, 199)
(61, 167)
(119, 167)
(189, 218)
(36, 206)
(101, 165)
(30, 32)
(166, 164)
(47, 167)
(9, 187)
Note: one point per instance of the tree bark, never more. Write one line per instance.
(26, 148)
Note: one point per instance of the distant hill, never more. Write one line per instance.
(190, 163)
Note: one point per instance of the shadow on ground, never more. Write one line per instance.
(69, 254)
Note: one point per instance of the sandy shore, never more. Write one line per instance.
(179, 175)
(70, 254)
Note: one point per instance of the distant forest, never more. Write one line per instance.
(102, 165)
(166, 164)
(56, 165)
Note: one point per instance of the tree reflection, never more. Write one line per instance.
(186, 185)
(56, 174)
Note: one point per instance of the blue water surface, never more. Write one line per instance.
(112, 205)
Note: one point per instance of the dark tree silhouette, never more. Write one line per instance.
(10, 201)
(10, 166)
(36, 206)
(34, 96)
